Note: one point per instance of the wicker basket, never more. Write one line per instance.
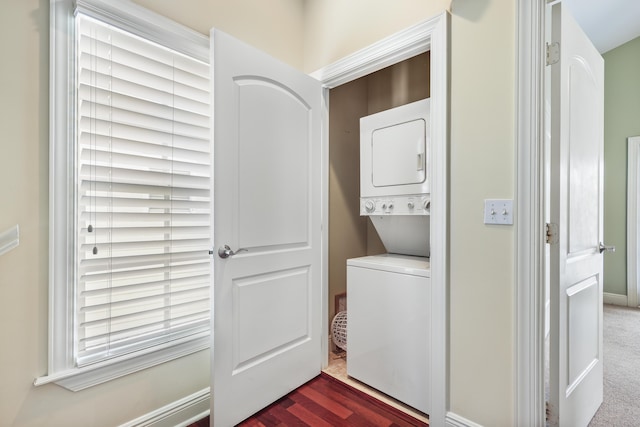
(339, 330)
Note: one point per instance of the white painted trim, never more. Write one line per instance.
(633, 241)
(390, 50)
(76, 379)
(615, 299)
(430, 35)
(324, 251)
(529, 257)
(9, 239)
(455, 420)
(180, 413)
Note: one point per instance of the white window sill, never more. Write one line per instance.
(76, 379)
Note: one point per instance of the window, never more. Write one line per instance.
(130, 197)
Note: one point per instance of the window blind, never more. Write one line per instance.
(143, 185)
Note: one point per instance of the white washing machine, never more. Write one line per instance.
(389, 326)
(389, 296)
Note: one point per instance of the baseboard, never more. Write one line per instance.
(455, 420)
(180, 413)
(615, 299)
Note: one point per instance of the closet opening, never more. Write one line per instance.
(351, 235)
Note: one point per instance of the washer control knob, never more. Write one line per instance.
(410, 204)
(390, 205)
(370, 205)
(426, 204)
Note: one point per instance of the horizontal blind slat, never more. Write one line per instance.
(131, 176)
(150, 149)
(122, 131)
(191, 323)
(168, 104)
(144, 163)
(124, 318)
(143, 277)
(93, 37)
(140, 338)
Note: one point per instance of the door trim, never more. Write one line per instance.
(633, 243)
(431, 35)
(529, 302)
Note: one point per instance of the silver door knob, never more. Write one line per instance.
(226, 251)
(603, 248)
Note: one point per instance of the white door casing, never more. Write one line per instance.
(577, 102)
(633, 219)
(267, 298)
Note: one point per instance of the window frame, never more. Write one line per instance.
(144, 23)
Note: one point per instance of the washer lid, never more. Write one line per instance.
(413, 265)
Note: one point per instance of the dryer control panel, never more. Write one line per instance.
(396, 205)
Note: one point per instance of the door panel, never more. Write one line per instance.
(273, 208)
(583, 348)
(584, 156)
(267, 296)
(283, 323)
(576, 155)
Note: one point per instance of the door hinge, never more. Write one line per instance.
(553, 53)
(551, 232)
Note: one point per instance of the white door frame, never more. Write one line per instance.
(529, 303)
(431, 35)
(633, 243)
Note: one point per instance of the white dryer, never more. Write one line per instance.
(394, 176)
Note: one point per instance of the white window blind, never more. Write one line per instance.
(143, 182)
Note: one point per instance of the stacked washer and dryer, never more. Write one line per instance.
(389, 326)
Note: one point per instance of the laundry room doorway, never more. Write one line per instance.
(406, 67)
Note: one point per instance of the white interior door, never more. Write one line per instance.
(267, 297)
(577, 97)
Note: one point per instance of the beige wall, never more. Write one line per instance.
(482, 166)
(274, 26)
(24, 80)
(621, 112)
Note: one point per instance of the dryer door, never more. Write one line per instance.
(394, 151)
(398, 154)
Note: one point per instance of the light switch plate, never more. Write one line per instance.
(498, 211)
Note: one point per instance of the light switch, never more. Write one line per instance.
(498, 211)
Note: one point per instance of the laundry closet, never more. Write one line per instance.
(396, 93)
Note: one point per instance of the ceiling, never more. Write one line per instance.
(608, 23)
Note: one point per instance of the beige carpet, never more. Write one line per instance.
(621, 406)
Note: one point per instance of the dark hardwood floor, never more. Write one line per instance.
(326, 401)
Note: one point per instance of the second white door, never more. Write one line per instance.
(576, 207)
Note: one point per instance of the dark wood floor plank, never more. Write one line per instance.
(355, 402)
(405, 418)
(315, 408)
(286, 417)
(326, 402)
(309, 417)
